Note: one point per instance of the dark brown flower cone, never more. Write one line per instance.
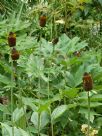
(42, 21)
(12, 39)
(87, 82)
(55, 41)
(15, 54)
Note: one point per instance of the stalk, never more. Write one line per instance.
(52, 131)
(65, 16)
(38, 124)
(88, 133)
(54, 19)
(26, 121)
(39, 105)
(22, 105)
(39, 81)
(12, 100)
(51, 29)
(4, 119)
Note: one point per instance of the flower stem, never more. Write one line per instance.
(38, 124)
(65, 15)
(12, 101)
(88, 132)
(52, 132)
(39, 79)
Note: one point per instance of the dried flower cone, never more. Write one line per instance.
(42, 21)
(55, 41)
(14, 54)
(87, 82)
(12, 39)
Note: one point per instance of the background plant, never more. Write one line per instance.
(60, 100)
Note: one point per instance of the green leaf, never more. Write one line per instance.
(25, 42)
(100, 1)
(18, 113)
(4, 79)
(97, 97)
(33, 65)
(58, 112)
(22, 132)
(70, 79)
(78, 75)
(44, 119)
(70, 93)
(85, 112)
(29, 102)
(92, 104)
(7, 131)
(4, 109)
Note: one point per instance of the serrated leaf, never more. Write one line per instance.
(71, 92)
(44, 119)
(7, 130)
(22, 132)
(58, 112)
(4, 79)
(100, 1)
(18, 113)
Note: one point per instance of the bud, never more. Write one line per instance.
(12, 39)
(77, 53)
(87, 82)
(42, 21)
(55, 40)
(14, 54)
(4, 100)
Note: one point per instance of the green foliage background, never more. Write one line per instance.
(49, 99)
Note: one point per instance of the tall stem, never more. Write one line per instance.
(39, 104)
(88, 133)
(65, 16)
(12, 101)
(52, 131)
(26, 121)
(38, 124)
(22, 105)
(39, 80)
(51, 34)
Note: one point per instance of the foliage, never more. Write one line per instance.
(47, 88)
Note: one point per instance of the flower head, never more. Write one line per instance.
(43, 20)
(55, 41)
(12, 39)
(87, 82)
(15, 54)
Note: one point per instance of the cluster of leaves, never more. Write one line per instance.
(48, 95)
